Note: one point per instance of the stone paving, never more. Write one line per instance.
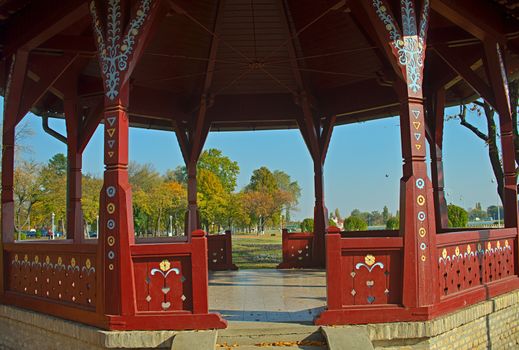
(268, 295)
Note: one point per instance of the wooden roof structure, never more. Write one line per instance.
(253, 59)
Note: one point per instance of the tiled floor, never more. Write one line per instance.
(268, 295)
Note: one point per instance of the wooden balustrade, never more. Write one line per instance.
(365, 274)
(297, 250)
(219, 252)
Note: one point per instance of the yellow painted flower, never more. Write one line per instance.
(468, 249)
(444, 253)
(506, 243)
(498, 244)
(60, 261)
(36, 259)
(73, 262)
(16, 257)
(489, 246)
(165, 265)
(47, 259)
(479, 246)
(457, 251)
(369, 259)
(88, 263)
(26, 258)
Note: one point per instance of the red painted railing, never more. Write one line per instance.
(219, 252)
(471, 259)
(170, 284)
(365, 274)
(57, 278)
(297, 250)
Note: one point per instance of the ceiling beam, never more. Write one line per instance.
(465, 71)
(478, 17)
(41, 21)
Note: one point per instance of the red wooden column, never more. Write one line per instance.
(435, 119)
(74, 162)
(496, 73)
(405, 48)
(120, 46)
(317, 139)
(191, 139)
(116, 215)
(13, 92)
(12, 98)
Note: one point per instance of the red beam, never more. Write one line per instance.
(466, 72)
(41, 21)
(478, 17)
(44, 71)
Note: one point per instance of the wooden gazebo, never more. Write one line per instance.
(191, 67)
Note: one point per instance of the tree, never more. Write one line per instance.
(355, 223)
(143, 176)
(91, 187)
(27, 192)
(458, 217)
(393, 223)
(493, 213)
(307, 225)
(223, 167)
(385, 214)
(212, 198)
(490, 137)
(54, 191)
(285, 183)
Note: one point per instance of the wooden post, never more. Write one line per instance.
(193, 215)
(405, 49)
(334, 271)
(119, 50)
(320, 217)
(115, 212)
(496, 73)
(435, 117)
(317, 140)
(74, 175)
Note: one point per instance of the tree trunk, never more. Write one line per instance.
(493, 151)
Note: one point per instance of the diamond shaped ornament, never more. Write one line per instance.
(353, 292)
(148, 298)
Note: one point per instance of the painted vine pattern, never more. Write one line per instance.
(409, 44)
(114, 50)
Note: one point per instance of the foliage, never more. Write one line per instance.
(393, 223)
(458, 217)
(493, 213)
(355, 223)
(307, 225)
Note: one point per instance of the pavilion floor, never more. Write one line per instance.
(265, 295)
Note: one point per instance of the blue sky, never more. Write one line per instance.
(362, 169)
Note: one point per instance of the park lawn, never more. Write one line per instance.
(256, 252)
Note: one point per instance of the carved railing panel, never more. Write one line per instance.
(297, 250)
(371, 277)
(63, 277)
(219, 252)
(163, 284)
(469, 264)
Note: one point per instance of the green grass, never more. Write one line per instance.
(256, 252)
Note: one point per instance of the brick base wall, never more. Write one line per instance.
(492, 324)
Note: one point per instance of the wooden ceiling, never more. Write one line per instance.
(252, 59)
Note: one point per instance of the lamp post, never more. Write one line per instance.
(170, 233)
(497, 205)
(52, 226)
(97, 226)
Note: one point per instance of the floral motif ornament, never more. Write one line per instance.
(165, 269)
(411, 46)
(114, 54)
(369, 263)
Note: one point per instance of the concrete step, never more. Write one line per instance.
(265, 335)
